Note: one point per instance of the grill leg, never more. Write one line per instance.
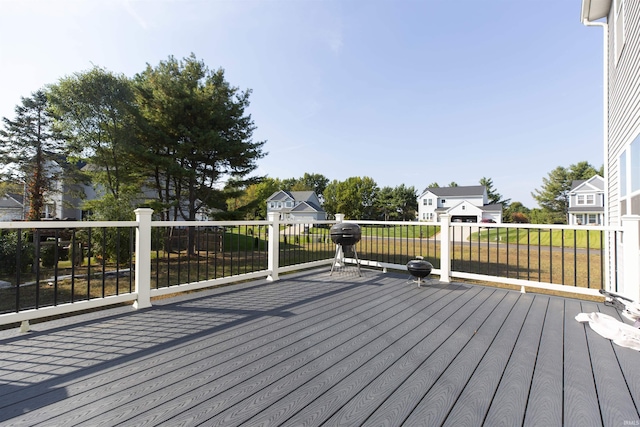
(340, 257)
(357, 261)
(335, 259)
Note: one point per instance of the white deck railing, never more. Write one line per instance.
(457, 250)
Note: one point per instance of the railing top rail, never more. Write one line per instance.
(207, 223)
(64, 224)
(370, 222)
(304, 221)
(490, 224)
(538, 226)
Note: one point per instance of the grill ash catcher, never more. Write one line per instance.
(345, 235)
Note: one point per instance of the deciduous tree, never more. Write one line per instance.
(355, 197)
(97, 112)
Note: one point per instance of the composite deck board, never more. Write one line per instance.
(627, 361)
(615, 402)
(472, 404)
(545, 406)
(370, 383)
(436, 404)
(510, 400)
(581, 404)
(365, 339)
(313, 349)
(214, 367)
(347, 377)
(224, 379)
(452, 338)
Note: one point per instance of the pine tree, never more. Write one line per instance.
(32, 151)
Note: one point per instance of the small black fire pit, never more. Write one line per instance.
(345, 235)
(419, 268)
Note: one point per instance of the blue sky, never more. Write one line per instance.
(416, 91)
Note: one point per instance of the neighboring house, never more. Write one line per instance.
(60, 202)
(11, 207)
(586, 202)
(300, 206)
(463, 204)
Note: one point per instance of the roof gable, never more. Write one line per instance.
(460, 191)
(305, 207)
(593, 184)
(281, 196)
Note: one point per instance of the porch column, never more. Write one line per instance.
(143, 258)
(273, 259)
(630, 257)
(445, 248)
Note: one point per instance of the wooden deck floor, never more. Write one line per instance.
(313, 349)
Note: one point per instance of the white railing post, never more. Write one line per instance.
(445, 248)
(273, 259)
(630, 257)
(143, 258)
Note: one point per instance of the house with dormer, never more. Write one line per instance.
(462, 203)
(586, 202)
(299, 206)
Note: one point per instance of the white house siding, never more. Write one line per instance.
(11, 214)
(623, 109)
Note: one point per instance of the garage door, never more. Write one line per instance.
(464, 218)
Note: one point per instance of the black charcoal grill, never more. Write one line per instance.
(419, 268)
(345, 235)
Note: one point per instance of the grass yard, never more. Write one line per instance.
(543, 237)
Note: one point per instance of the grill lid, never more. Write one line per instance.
(345, 233)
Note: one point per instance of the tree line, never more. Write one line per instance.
(176, 137)
(167, 138)
(362, 198)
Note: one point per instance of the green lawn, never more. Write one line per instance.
(567, 238)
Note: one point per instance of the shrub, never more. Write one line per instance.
(8, 252)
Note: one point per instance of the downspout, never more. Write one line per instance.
(605, 124)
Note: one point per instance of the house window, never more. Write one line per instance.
(444, 201)
(634, 157)
(586, 199)
(430, 202)
(619, 36)
(464, 207)
(593, 219)
(622, 162)
(425, 202)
